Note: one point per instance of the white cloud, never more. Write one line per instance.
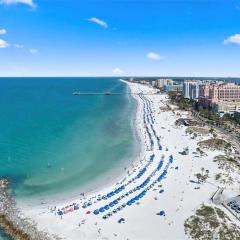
(117, 71)
(98, 21)
(33, 50)
(27, 2)
(154, 56)
(3, 31)
(16, 45)
(235, 39)
(3, 44)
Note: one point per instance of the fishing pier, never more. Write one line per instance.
(108, 93)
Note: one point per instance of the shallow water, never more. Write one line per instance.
(52, 141)
(3, 236)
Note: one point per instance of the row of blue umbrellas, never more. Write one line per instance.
(118, 190)
(139, 196)
(142, 185)
(142, 171)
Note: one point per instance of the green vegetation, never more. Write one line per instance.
(183, 103)
(201, 152)
(228, 122)
(216, 144)
(228, 165)
(203, 176)
(198, 130)
(224, 178)
(218, 176)
(211, 223)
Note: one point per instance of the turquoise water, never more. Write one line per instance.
(53, 142)
(3, 236)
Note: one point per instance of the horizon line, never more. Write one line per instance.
(137, 76)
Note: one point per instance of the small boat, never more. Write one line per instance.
(107, 93)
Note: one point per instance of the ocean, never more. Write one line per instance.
(3, 236)
(53, 143)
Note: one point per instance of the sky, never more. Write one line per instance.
(120, 38)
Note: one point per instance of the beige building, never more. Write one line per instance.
(160, 83)
(226, 107)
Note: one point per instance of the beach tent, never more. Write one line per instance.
(88, 212)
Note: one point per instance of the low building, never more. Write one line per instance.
(222, 108)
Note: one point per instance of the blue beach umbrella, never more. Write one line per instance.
(136, 198)
(101, 210)
(161, 191)
(60, 213)
(132, 200)
(106, 207)
(162, 213)
(111, 204)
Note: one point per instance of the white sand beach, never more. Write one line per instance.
(157, 193)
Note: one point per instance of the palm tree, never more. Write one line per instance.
(198, 176)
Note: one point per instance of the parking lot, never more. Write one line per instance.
(233, 204)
